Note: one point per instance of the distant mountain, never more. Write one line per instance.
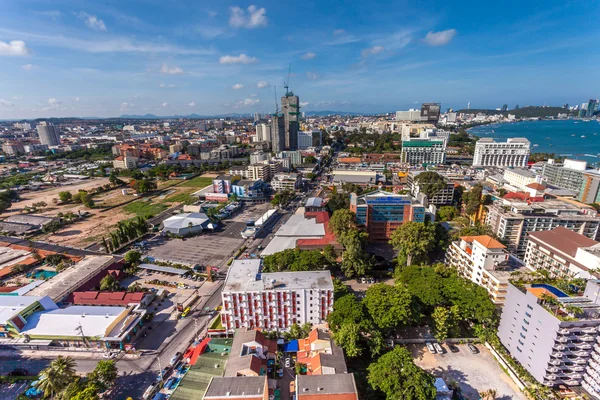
(326, 113)
(189, 116)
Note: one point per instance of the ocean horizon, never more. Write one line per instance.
(574, 139)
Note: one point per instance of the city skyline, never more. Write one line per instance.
(63, 59)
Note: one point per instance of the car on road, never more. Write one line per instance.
(453, 348)
(280, 372)
(472, 348)
(438, 348)
(19, 372)
(430, 348)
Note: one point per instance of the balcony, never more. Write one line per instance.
(578, 369)
(581, 353)
(555, 362)
(585, 346)
(589, 330)
(587, 338)
(564, 331)
(560, 347)
(580, 361)
(552, 369)
(562, 339)
(557, 354)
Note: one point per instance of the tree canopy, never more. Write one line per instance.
(389, 306)
(430, 183)
(341, 221)
(296, 260)
(414, 241)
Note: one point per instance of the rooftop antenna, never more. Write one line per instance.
(286, 84)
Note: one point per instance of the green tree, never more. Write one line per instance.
(104, 375)
(446, 213)
(376, 343)
(430, 183)
(109, 282)
(397, 376)
(133, 257)
(342, 221)
(355, 260)
(70, 391)
(441, 323)
(338, 201)
(143, 185)
(348, 338)
(90, 392)
(413, 241)
(57, 376)
(7, 197)
(65, 197)
(389, 306)
(346, 310)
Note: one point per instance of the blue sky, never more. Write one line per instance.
(107, 58)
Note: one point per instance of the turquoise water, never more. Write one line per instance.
(42, 274)
(563, 138)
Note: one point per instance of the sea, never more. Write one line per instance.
(574, 139)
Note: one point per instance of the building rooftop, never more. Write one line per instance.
(62, 284)
(314, 202)
(107, 298)
(563, 239)
(12, 305)
(247, 387)
(522, 171)
(245, 276)
(184, 220)
(486, 241)
(309, 386)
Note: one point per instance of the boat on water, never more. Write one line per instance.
(536, 145)
(583, 136)
(573, 135)
(595, 134)
(550, 145)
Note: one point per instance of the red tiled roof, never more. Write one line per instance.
(107, 298)
(563, 239)
(322, 217)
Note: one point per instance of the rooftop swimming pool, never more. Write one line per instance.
(551, 289)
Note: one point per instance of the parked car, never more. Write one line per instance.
(430, 348)
(19, 372)
(453, 348)
(438, 348)
(472, 348)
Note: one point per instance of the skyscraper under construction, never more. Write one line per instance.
(290, 107)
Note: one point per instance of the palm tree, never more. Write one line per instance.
(58, 375)
(489, 394)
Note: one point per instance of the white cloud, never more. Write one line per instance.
(371, 51)
(440, 38)
(125, 106)
(248, 102)
(54, 102)
(237, 86)
(312, 75)
(254, 18)
(17, 97)
(174, 70)
(77, 99)
(262, 84)
(14, 48)
(304, 103)
(53, 105)
(339, 32)
(308, 56)
(27, 67)
(241, 59)
(92, 21)
(192, 104)
(5, 103)
(165, 104)
(164, 85)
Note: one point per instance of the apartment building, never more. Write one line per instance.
(514, 220)
(423, 151)
(259, 171)
(563, 253)
(274, 301)
(484, 261)
(222, 183)
(512, 153)
(553, 335)
(281, 182)
(573, 175)
(443, 197)
(382, 212)
(125, 162)
(517, 179)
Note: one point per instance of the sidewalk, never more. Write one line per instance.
(79, 354)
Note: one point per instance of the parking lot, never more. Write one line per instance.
(473, 372)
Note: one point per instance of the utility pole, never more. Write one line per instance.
(161, 370)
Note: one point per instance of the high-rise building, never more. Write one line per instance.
(573, 175)
(592, 107)
(48, 134)
(504, 108)
(317, 138)
(410, 115)
(430, 112)
(512, 153)
(290, 107)
(277, 133)
(305, 140)
(257, 117)
(423, 151)
(263, 133)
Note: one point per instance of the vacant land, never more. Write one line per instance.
(144, 208)
(198, 182)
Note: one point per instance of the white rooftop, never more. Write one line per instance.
(183, 220)
(13, 305)
(299, 226)
(245, 276)
(64, 322)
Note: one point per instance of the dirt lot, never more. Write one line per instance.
(474, 372)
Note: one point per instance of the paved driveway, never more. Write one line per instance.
(474, 372)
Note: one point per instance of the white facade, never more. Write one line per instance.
(263, 133)
(512, 153)
(423, 151)
(410, 115)
(274, 301)
(479, 258)
(305, 140)
(519, 178)
(281, 182)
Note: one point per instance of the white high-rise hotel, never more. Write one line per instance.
(512, 153)
(274, 301)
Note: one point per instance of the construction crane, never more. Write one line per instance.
(286, 84)
(276, 102)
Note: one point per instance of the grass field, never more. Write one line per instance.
(181, 197)
(144, 208)
(197, 182)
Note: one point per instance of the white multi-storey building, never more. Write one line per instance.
(282, 181)
(410, 115)
(482, 260)
(563, 253)
(512, 153)
(274, 301)
(263, 133)
(517, 179)
(423, 151)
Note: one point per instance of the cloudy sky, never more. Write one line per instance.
(107, 58)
